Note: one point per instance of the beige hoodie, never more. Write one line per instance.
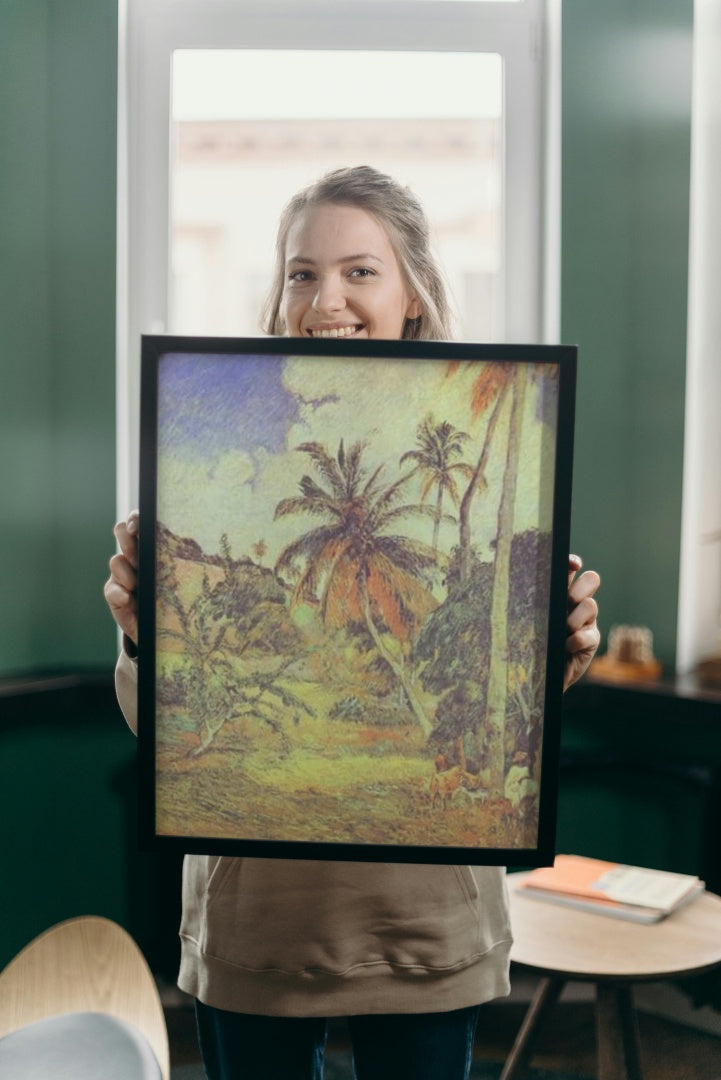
(285, 937)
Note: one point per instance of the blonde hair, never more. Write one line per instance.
(403, 217)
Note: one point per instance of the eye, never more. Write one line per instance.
(362, 272)
(300, 276)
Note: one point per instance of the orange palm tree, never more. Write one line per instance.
(352, 565)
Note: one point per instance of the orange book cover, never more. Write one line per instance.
(612, 883)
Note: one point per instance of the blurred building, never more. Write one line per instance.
(231, 179)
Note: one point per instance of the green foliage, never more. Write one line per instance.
(372, 712)
(454, 650)
(224, 631)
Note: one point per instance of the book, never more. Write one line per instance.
(608, 888)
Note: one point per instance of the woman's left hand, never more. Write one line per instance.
(583, 636)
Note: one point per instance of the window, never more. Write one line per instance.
(227, 107)
(699, 623)
(235, 160)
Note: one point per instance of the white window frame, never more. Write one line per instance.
(526, 34)
(699, 597)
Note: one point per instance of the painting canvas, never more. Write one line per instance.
(353, 572)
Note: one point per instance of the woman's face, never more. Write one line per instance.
(342, 277)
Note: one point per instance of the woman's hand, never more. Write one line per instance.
(583, 636)
(121, 587)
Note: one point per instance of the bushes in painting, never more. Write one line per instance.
(454, 650)
(372, 711)
(224, 630)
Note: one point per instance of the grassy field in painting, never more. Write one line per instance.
(368, 785)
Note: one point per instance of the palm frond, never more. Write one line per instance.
(352, 467)
(308, 546)
(322, 566)
(452, 488)
(492, 380)
(368, 489)
(340, 601)
(400, 599)
(412, 556)
(385, 500)
(304, 504)
(428, 486)
(413, 455)
(326, 465)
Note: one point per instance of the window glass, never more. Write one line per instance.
(251, 127)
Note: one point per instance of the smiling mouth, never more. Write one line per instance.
(335, 331)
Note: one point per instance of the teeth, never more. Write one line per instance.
(336, 332)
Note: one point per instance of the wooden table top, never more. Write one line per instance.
(582, 945)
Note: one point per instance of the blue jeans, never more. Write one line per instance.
(417, 1046)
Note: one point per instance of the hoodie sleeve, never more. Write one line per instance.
(126, 688)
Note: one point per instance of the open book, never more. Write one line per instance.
(608, 888)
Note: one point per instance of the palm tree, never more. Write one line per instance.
(363, 572)
(494, 384)
(438, 444)
(498, 674)
(489, 389)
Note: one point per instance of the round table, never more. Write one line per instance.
(562, 944)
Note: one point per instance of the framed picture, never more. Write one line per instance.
(352, 597)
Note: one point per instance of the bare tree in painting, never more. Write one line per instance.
(215, 690)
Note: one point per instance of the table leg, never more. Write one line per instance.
(545, 997)
(617, 1033)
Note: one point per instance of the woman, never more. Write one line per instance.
(271, 948)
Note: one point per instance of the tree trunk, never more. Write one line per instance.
(498, 673)
(464, 513)
(437, 518)
(397, 669)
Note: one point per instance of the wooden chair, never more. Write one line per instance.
(77, 976)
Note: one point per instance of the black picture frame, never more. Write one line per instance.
(334, 661)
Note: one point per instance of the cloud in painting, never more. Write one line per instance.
(232, 428)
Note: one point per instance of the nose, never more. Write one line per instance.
(329, 296)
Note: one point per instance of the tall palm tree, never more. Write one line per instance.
(489, 390)
(363, 572)
(494, 384)
(498, 673)
(438, 444)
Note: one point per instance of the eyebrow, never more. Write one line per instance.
(361, 257)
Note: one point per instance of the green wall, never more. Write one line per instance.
(625, 200)
(67, 771)
(626, 135)
(58, 72)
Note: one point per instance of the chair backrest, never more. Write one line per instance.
(87, 964)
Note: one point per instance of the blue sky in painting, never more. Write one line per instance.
(209, 404)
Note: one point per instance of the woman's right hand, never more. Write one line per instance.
(121, 587)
